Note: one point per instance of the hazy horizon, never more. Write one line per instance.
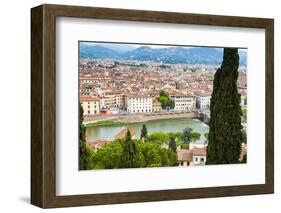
(153, 46)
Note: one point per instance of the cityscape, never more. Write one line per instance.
(149, 105)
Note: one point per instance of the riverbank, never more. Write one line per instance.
(107, 120)
(175, 125)
(105, 123)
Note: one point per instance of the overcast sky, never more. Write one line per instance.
(140, 45)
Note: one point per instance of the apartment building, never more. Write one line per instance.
(156, 106)
(203, 100)
(183, 102)
(91, 105)
(138, 103)
(112, 99)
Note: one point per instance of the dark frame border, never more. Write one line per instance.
(43, 105)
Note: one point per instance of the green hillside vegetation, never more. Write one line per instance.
(106, 123)
(146, 152)
(111, 156)
(165, 101)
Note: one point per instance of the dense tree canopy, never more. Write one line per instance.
(173, 145)
(206, 135)
(225, 136)
(110, 156)
(196, 136)
(158, 138)
(85, 153)
(143, 132)
(129, 155)
(187, 135)
(165, 101)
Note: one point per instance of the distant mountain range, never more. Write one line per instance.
(170, 55)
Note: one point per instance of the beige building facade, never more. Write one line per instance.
(183, 102)
(138, 104)
(91, 105)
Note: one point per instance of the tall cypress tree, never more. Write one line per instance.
(84, 155)
(143, 132)
(129, 157)
(173, 145)
(225, 136)
(187, 135)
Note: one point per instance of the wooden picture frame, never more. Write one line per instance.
(43, 105)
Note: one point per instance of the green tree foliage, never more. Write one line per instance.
(185, 146)
(82, 128)
(244, 136)
(128, 153)
(155, 156)
(129, 156)
(173, 145)
(225, 136)
(173, 158)
(206, 135)
(143, 132)
(244, 115)
(178, 137)
(165, 101)
(85, 153)
(150, 153)
(158, 138)
(168, 157)
(196, 136)
(165, 161)
(108, 156)
(187, 135)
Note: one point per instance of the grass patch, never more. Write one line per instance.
(106, 123)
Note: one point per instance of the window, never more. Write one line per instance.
(89, 112)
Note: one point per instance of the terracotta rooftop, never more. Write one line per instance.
(88, 98)
(199, 151)
(203, 93)
(185, 155)
(138, 96)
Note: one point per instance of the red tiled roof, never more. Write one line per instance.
(88, 98)
(185, 155)
(199, 151)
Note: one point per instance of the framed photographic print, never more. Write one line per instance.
(136, 106)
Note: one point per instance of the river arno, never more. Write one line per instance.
(169, 125)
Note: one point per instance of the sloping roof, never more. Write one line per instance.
(199, 151)
(123, 132)
(185, 155)
(96, 144)
(203, 94)
(88, 98)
